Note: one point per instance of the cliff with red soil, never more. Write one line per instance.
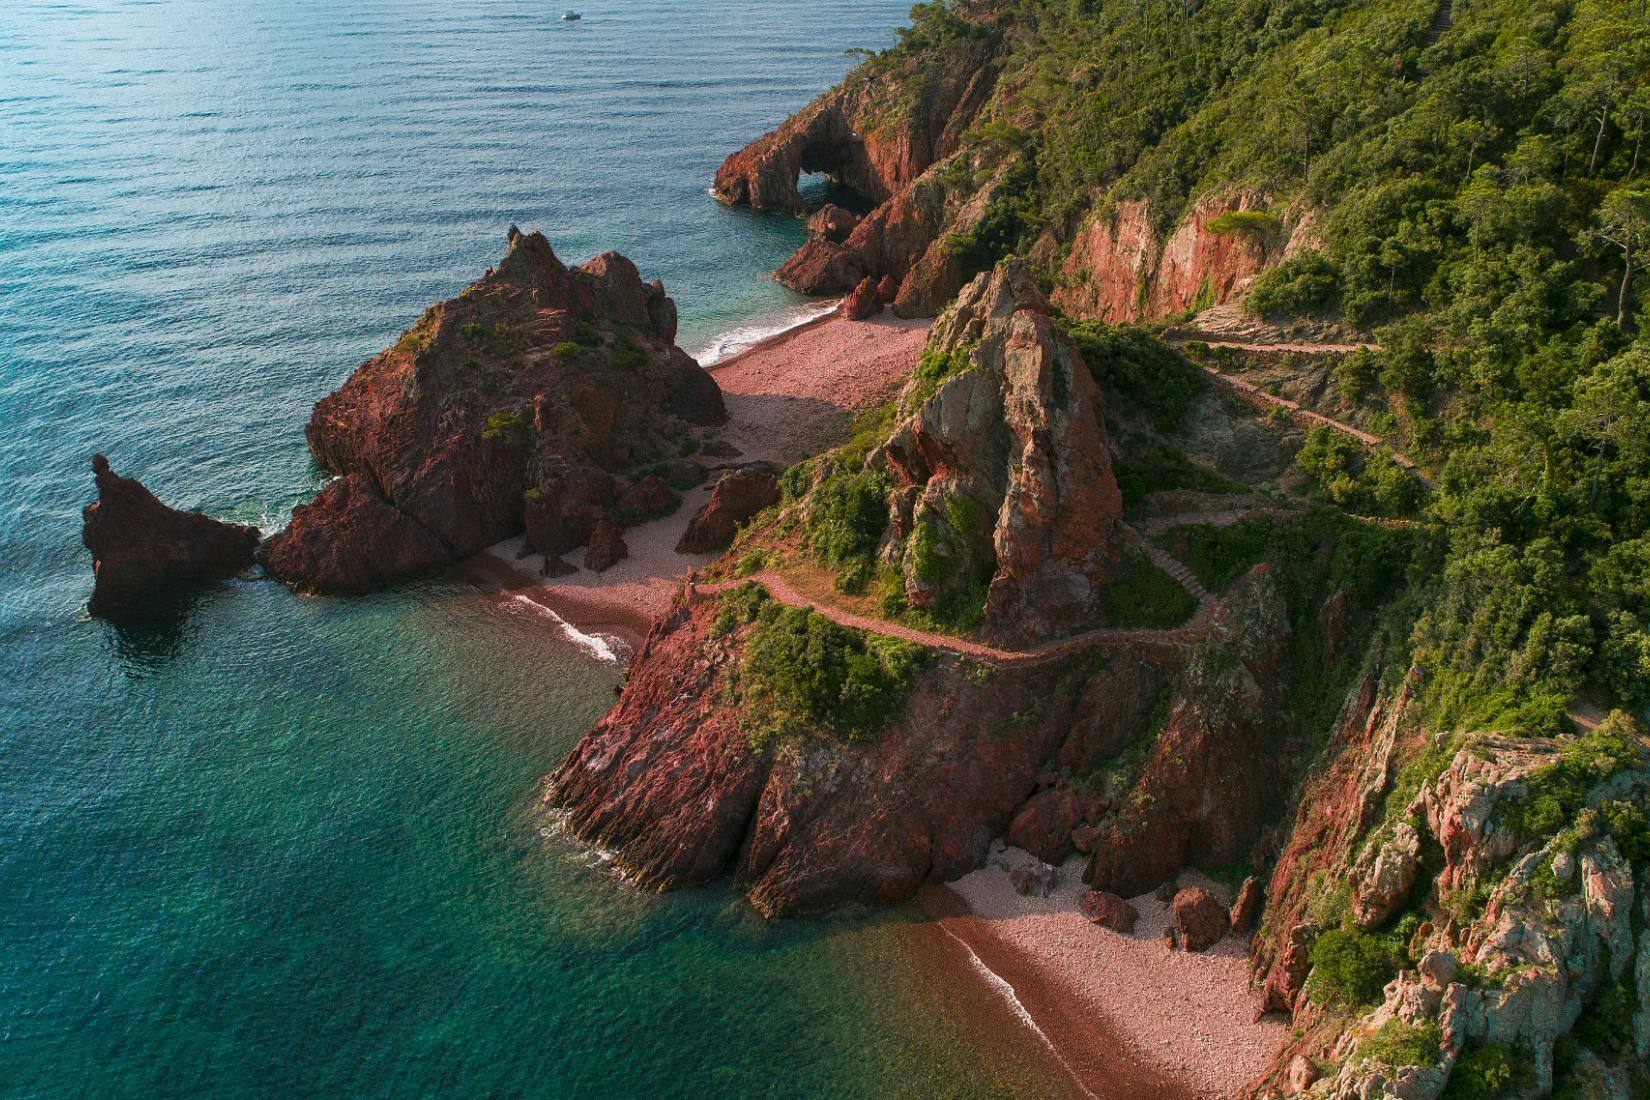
(531, 401)
(1150, 750)
(141, 549)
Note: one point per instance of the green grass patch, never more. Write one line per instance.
(1143, 595)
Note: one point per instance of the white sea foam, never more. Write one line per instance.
(736, 340)
(1002, 986)
(598, 646)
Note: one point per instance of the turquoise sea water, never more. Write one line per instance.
(270, 846)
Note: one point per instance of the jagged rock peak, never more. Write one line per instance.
(141, 548)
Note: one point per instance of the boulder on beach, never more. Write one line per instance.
(1035, 879)
(1044, 824)
(141, 548)
(739, 494)
(1247, 907)
(607, 546)
(1199, 918)
(1108, 910)
(862, 303)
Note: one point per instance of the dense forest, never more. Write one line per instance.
(1477, 169)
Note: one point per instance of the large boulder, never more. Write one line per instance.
(739, 494)
(607, 547)
(1199, 918)
(1247, 906)
(832, 222)
(1108, 911)
(1035, 879)
(508, 408)
(862, 303)
(142, 549)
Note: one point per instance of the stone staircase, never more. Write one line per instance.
(1173, 567)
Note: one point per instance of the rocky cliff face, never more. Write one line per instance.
(141, 549)
(530, 401)
(1002, 474)
(1501, 884)
(1121, 268)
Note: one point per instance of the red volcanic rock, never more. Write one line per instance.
(888, 288)
(648, 499)
(822, 267)
(1119, 269)
(1108, 911)
(1246, 908)
(1044, 824)
(670, 782)
(1007, 469)
(832, 222)
(739, 495)
(507, 408)
(565, 505)
(1084, 838)
(141, 548)
(863, 303)
(1199, 918)
(607, 547)
(1193, 802)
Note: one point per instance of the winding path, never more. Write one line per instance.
(1145, 638)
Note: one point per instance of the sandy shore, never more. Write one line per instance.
(788, 397)
(1129, 1017)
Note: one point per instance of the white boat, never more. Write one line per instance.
(570, 17)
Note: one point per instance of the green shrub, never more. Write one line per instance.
(1142, 595)
(846, 516)
(1605, 1026)
(1219, 555)
(1483, 1073)
(627, 353)
(566, 350)
(1349, 968)
(1256, 224)
(1147, 373)
(1162, 468)
(803, 673)
(506, 427)
(1398, 1044)
(1304, 283)
(1556, 794)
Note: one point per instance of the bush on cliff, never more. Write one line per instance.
(1143, 370)
(1349, 968)
(803, 674)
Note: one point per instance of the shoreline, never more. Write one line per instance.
(789, 395)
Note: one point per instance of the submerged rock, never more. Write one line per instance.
(141, 548)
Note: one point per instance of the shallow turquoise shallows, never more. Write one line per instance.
(270, 846)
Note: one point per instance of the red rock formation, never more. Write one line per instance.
(648, 499)
(863, 303)
(739, 494)
(1199, 919)
(1191, 806)
(1005, 470)
(506, 408)
(849, 134)
(142, 549)
(1118, 268)
(832, 223)
(607, 546)
(1108, 911)
(1044, 824)
(1247, 906)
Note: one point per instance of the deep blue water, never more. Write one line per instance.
(271, 846)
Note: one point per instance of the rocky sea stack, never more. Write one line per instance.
(142, 549)
(530, 402)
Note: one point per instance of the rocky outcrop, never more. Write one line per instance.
(867, 134)
(739, 494)
(516, 406)
(1044, 824)
(1002, 476)
(141, 549)
(863, 303)
(1119, 268)
(1246, 907)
